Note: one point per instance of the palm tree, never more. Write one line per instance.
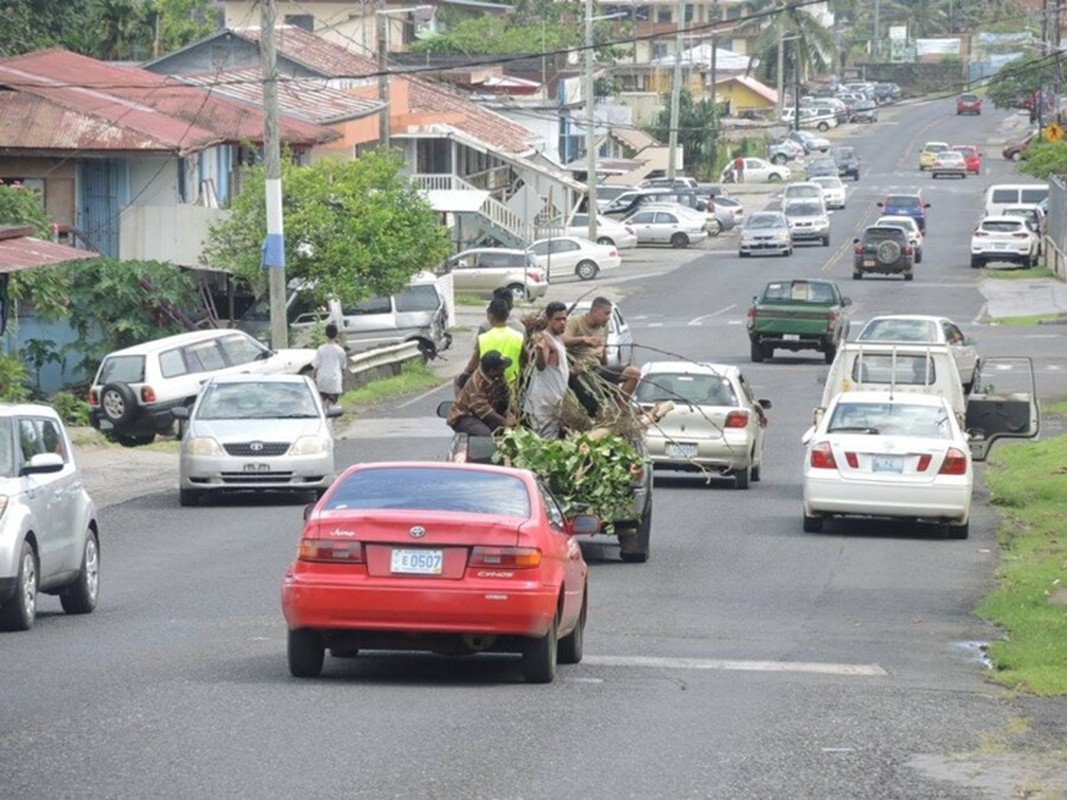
(810, 48)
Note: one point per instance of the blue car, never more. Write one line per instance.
(906, 205)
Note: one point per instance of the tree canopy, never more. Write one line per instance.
(1015, 84)
(352, 228)
(697, 129)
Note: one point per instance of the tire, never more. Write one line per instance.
(779, 160)
(135, 441)
(742, 476)
(642, 539)
(742, 254)
(828, 353)
(826, 241)
(539, 656)
(855, 177)
(679, 241)
(888, 252)
(306, 653)
(572, 646)
(19, 612)
(1017, 156)
(518, 292)
(824, 127)
(757, 353)
(958, 531)
(976, 262)
(909, 276)
(856, 276)
(715, 227)
(188, 498)
(586, 270)
(80, 597)
(606, 240)
(118, 403)
(812, 524)
(774, 177)
(919, 256)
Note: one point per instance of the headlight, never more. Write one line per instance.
(783, 237)
(310, 446)
(203, 446)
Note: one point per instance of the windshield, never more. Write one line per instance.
(256, 400)
(899, 330)
(902, 201)
(763, 221)
(803, 210)
(891, 419)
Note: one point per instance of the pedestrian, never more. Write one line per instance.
(483, 403)
(585, 337)
(500, 337)
(739, 168)
(327, 368)
(547, 390)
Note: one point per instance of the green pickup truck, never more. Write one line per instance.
(797, 315)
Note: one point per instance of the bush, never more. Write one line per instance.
(14, 380)
(71, 409)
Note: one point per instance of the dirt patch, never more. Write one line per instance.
(1034, 776)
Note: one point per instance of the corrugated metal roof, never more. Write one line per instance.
(306, 98)
(163, 111)
(24, 252)
(483, 124)
(314, 52)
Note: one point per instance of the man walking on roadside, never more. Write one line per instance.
(327, 368)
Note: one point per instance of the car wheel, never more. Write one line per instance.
(919, 256)
(679, 241)
(572, 645)
(812, 524)
(826, 241)
(742, 254)
(606, 240)
(959, 531)
(855, 177)
(823, 127)
(774, 177)
(586, 270)
(518, 292)
(134, 441)
(118, 402)
(539, 656)
(757, 353)
(779, 159)
(857, 275)
(714, 227)
(80, 596)
(1017, 156)
(306, 653)
(828, 353)
(188, 497)
(639, 553)
(742, 476)
(976, 262)
(18, 613)
(909, 276)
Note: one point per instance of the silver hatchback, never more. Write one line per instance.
(49, 535)
(255, 432)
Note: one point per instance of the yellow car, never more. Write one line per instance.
(929, 153)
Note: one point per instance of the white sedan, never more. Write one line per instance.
(674, 225)
(920, 328)
(574, 254)
(900, 455)
(833, 190)
(758, 170)
(608, 231)
(911, 227)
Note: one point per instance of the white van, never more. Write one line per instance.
(1001, 195)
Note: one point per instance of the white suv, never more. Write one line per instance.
(1004, 239)
(135, 388)
(49, 537)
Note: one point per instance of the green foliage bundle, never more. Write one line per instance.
(352, 228)
(584, 472)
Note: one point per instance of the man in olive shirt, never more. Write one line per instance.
(482, 404)
(585, 337)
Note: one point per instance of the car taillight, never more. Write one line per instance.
(613, 253)
(330, 551)
(737, 419)
(955, 463)
(94, 399)
(509, 557)
(907, 250)
(148, 394)
(924, 462)
(852, 460)
(980, 233)
(858, 249)
(1021, 235)
(822, 456)
(751, 316)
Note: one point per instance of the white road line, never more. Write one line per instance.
(696, 320)
(846, 670)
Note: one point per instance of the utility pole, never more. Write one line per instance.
(274, 246)
(676, 93)
(590, 132)
(877, 33)
(781, 67)
(383, 77)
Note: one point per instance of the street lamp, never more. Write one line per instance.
(590, 131)
(383, 75)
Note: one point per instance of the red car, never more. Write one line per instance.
(971, 155)
(441, 557)
(969, 104)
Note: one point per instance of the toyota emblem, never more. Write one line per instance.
(255, 447)
(417, 532)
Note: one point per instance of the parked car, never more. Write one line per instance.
(574, 255)
(910, 227)
(757, 170)
(1017, 150)
(765, 232)
(416, 556)
(906, 205)
(255, 433)
(678, 182)
(731, 205)
(676, 227)
(807, 220)
(833, 190)
(886, 93)
(606, 194)
(864, 111)
(1004, 238)
(919, 328)
(49, 532)
(848, 162)
(1033, 215)
(809, 141)
(928, 154)
(883, 249)
(627, 203)
(608, 231)
(898, 455)
(1001, 195)
(949, 163)
(481, 270)
(135, 388)
(784, 151)
(972, 157)
(821, 166)
(969, 103)
(618, 340)
(716, 426)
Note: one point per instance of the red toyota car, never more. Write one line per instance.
(969, 104)
(972, 156)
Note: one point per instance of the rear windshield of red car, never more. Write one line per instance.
(432, 489)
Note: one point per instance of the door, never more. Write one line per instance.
(102, 189)
(643, 223)
(963, 351)
(1002, 404)
(47, 495)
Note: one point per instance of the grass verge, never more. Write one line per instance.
(1026, 322)
(414, 377)
(1028, 484)
(1017, 274)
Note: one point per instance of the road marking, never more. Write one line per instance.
(847, 670)
(696, 320)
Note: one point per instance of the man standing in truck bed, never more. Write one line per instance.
(585, 337)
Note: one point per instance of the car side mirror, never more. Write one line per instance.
(846, 301)
(855, 241)
(880, 204)
(583, 525)
(765, 404)
(926, 205)
(180, 412)
(443, 408)
(334, 411)
(43, 463)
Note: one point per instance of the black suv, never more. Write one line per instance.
(883, 249)
(626, 204)
(848, 163)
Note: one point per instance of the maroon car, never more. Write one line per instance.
(969, 104)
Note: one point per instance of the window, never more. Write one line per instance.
(663, 14)
(642, 218)
(432, 489)
(126, 369)
(241, 349)
(204, 357)
(30, 439)
(171, 363)
(663, 218)
(418, 298)
(914, 370)
(37, 436)
(374, 305)
(556, 520)
(1033, 196)
(7, 450)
